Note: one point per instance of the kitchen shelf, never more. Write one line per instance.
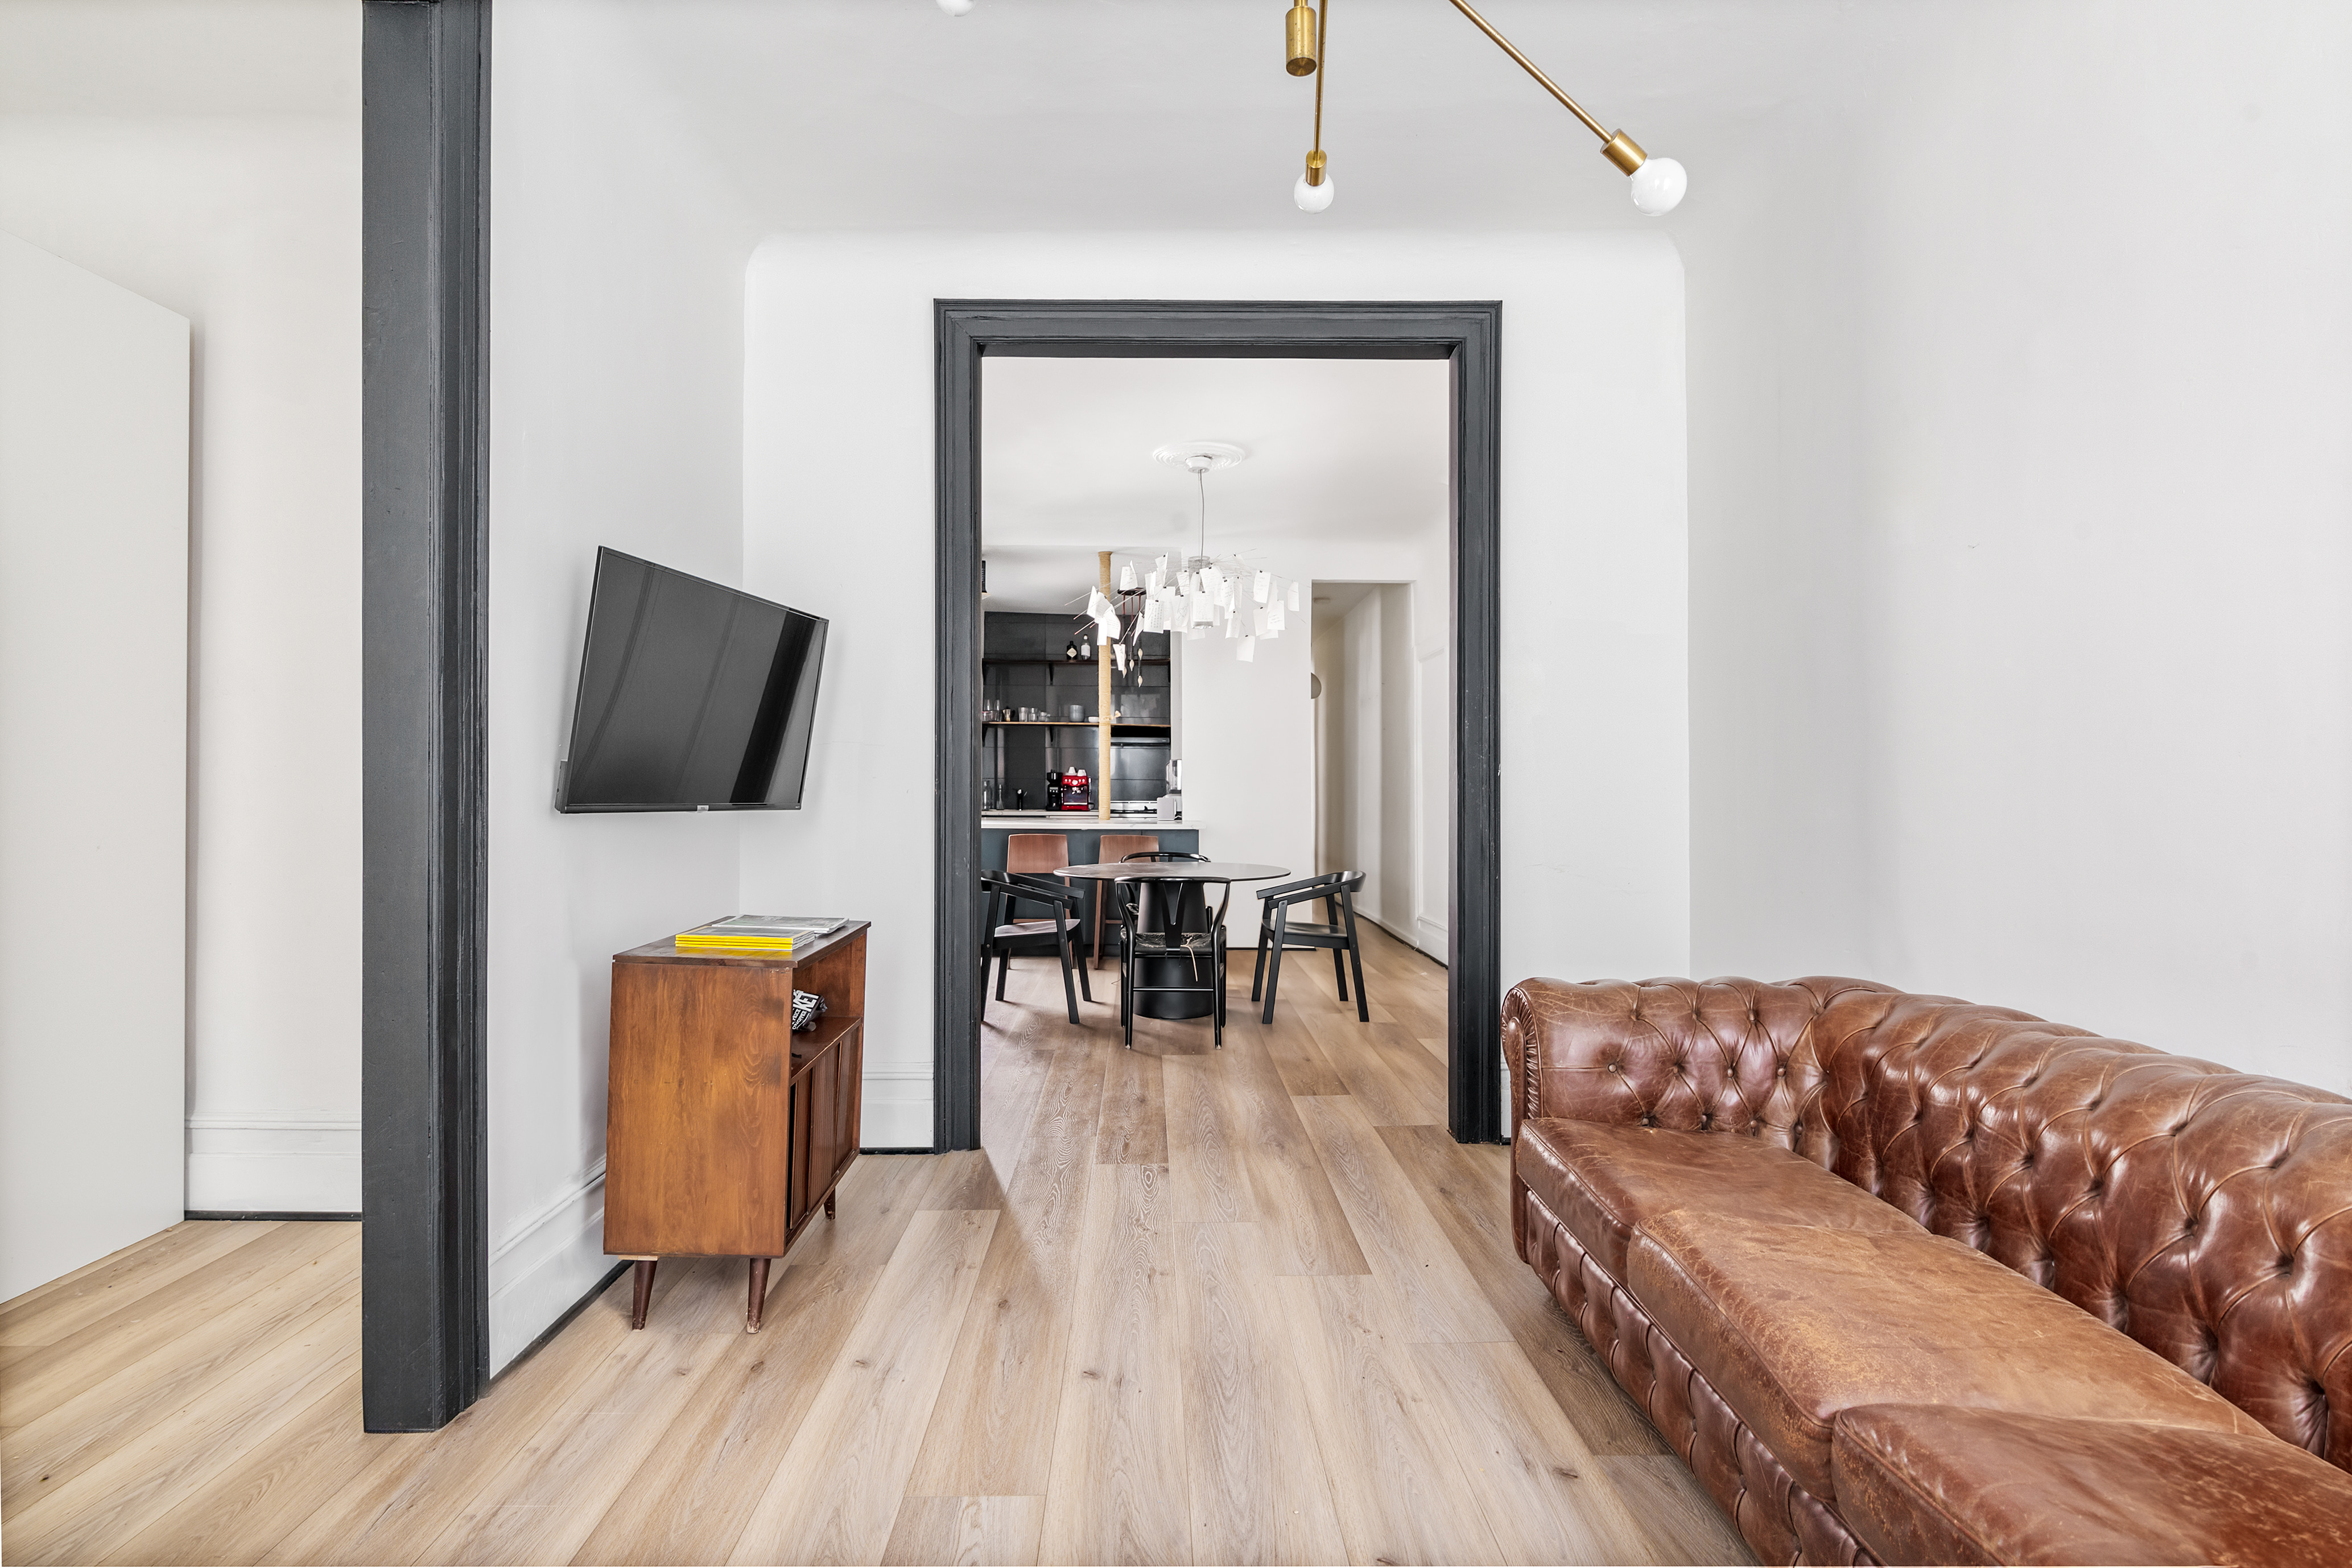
(1077, 723)
(1073, 663)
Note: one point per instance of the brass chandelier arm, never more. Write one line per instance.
(1316, 160)
(1619, 148)
(1322, 40)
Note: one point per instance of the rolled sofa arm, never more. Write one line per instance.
(1566, 1045)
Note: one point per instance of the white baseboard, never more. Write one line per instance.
(1429, 936)
(895, 1108)
(255, 1163)
(544, 1264)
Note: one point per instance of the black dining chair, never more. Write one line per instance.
(1276, 930)
(1148, 930)
(1005, 933)
(1189, 906)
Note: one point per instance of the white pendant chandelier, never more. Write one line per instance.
(1203, 594)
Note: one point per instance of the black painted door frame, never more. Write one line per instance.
(1468, 334)
(424, 1305)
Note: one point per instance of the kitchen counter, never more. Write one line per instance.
(1077, 819)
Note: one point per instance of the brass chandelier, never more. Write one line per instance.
(1657, 184)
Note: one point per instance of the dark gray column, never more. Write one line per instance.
(426, 80)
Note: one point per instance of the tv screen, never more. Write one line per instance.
(693, 696)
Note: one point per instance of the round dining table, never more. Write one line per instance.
(1158, 1005)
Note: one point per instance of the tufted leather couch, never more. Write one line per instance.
(1903, 1279)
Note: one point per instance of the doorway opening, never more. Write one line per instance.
(1235, 708)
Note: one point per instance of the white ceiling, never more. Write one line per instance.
(1060, 114)
(1337, 449)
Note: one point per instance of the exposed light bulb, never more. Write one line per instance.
(1658, 186)
(955, 7)
(1312, 198)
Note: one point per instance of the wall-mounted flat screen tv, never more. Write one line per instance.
(693, 696)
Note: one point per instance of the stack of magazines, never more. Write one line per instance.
(757, 933)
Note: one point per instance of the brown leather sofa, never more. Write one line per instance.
(1906, 1279)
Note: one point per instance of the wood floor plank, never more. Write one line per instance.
(874, 1203)
(1468, 1186)
(992, 1430)
(51, 1449)
(1389, 1098)
(408, 1494)
(141, 1326)
(46, 1315)
(1546, 1498)
(966, 1530)
(1259, 1492)
(1008, 1099)
(1399, 1494)
(1416, 1072)
(1306, 1231)
(690, 1499)
(185, 1233)
(1681, 1522)
(1406, 1246)
(836, 1492)
(76, 1519)
(1134, 1128)
(544, 1501)
(1118, 1491)
(1209, 1177)
(1291, 1046)
(239, 1515)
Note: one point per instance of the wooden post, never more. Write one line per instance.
(1102, 700)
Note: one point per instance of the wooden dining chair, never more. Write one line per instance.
(1003, 933)
(1113, 846)
(1276, 930)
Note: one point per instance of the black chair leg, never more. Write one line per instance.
(1339, 968)
(1003, 967)
(1273, 982)
(1069, 991)
(1356, 962)
(1126, 1002)
(1257, 970)
(1217, 1003)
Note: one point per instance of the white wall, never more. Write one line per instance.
(2022, 579)
(615, 418)
(838, 515)
(205, 153)
(1380, 818)
(1249, 756)
(93, 767)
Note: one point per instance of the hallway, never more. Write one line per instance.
(1248, 1305)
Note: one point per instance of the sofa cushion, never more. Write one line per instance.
(1793, 1325)
(1920, 1484)
(1603, 1180)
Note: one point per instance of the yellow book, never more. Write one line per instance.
(756, 934)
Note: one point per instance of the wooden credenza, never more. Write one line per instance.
(724, 1131)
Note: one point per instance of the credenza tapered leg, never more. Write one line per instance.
(641, 1293)
(828, 1205)
(759, 1296)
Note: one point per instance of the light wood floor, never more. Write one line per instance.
(1238, 1305)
